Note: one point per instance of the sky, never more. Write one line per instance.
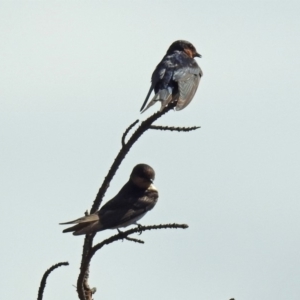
(74, 75)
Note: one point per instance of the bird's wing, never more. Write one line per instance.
(188, 79)
(121, 200)
(131, 208)
(147, 202)
(115, 219)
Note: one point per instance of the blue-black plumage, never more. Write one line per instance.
(176, 77)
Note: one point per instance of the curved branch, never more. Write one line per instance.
(127, 130)
(114, 238)
(83, 287)
(180, 129)
(45, 276)
(123, 152)
(84, 292)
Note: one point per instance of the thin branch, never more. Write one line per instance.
(45, 276)
(134, 240)
(82, 283)
(120, 236)
(123, 152)
(127, 130)
(88, 241)
(138, 229)
(180, 129)
(84, 291)
(88, 292)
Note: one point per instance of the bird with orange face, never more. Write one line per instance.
(176, 77)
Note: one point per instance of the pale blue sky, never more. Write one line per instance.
(74, 75)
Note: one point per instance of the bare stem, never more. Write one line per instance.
(84, 292)
(180, 129)
(127, 130)
(123, 152)
(121, 236)
(45, 276)
(82, 282)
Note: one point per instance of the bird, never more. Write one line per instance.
(131, 203)
(176, 77)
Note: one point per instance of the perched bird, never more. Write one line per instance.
(133, 201)
(176, 77)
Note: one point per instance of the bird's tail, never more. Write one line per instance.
(147, 97)
(162, 95)
(84, 225)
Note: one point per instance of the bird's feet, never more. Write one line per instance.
(121, 233)
(140, 228)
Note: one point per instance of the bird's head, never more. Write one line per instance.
(142, 176)
(185, 46)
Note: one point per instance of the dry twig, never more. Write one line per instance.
(120, 236)
(45, 276)
(83, 289)
(180, 129)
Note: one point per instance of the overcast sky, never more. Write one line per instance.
(74, 75)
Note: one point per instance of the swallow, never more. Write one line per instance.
(176, 77)
(133, 201)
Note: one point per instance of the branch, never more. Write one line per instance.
(180, 129)
(127, 130)
(145, 125)
(45, 276)
(120, 236)
(83, 288)
(134, 240)
(139, 229)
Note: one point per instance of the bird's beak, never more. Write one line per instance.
(198, 55)
(151, 180)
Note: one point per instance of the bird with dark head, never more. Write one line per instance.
(176, 77)
(132, 202)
